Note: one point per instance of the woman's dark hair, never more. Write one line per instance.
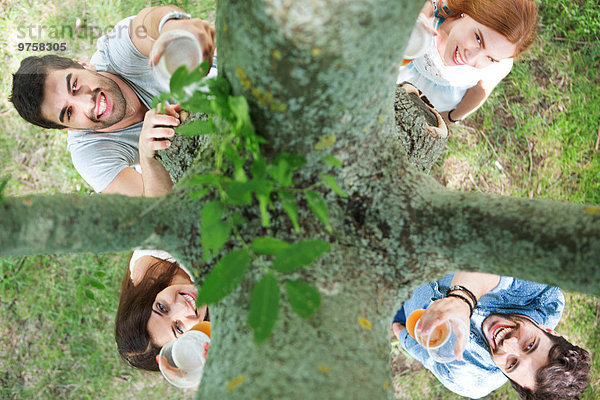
(135, 306)
(28, 87)
(565, 376)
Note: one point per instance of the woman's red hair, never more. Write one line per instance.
(514, 19)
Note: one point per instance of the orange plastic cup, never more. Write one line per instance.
(203, 326)
(411, 321)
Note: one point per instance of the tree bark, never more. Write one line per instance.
(311, 68)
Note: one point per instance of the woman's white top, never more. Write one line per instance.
(163, 255)
(444, 85)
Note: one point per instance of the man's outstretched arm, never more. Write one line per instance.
(144, 30)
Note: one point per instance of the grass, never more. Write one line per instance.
(57, 312)
(534, 138)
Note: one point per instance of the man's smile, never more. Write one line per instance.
(103, 106)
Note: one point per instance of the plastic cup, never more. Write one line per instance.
(183, 48)
(181, 361)
(420, 39)
(442, 339)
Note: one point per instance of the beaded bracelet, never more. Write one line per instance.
(463, 299)
(464, 290)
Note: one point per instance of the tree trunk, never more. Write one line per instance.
(311, 68)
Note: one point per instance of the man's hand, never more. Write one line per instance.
(157, 129)
(143, 31)
(202, 31)
(445, 309)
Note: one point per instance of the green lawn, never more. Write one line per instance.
(536, 137)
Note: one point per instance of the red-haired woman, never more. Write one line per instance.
(157, 305)
(473, 49)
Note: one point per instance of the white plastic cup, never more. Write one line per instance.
(181, 361)
(420, 39)
(183, 48)
(442, 339)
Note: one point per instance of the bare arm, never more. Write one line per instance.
(471, 101)
(128, 183)
(154, 181)
(144, 30)
(157, 128)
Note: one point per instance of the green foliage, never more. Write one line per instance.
(225, 277)
(304, 298)
(242, 175)
(212, 222)
(3, 184)
(268, 245)
(264, 307)
(318, 206)
(299, 255)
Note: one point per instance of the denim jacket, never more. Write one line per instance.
(477, 375)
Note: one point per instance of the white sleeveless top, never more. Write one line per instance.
(444, 85)
(163, 255)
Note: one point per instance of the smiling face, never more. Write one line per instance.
(519, 347)
(82, 99)
(174, 312)
(467, 42)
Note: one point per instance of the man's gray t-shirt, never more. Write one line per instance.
(100, 156)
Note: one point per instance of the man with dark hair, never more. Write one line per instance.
(105, 104)
(510, 336)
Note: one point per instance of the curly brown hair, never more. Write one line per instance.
(565, 376)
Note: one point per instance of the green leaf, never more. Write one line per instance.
(88, 293)
(264, 307)
(215, 231)
(318, 206)
(263, 195)
(198, 194)
(219, 86)
(162, 97)
(263, 202)
(304, 298)
(268, 245)
(225, 277)
(100, 274)
(240, 193)
(294, 161)
(178, 79)
(201, 180)
(196, 128)
(330, 181)
(299, 255)
(282, 173)
(259, 168)
(199, 102)
(97, 284)
(197, 74)
(331, 160)
(238, 162)
(241, 111)
(288, 202)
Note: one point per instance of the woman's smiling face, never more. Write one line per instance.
(174, 312)
(470, 43)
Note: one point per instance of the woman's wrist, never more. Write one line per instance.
(452, 119)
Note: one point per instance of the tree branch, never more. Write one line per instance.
(73, 223)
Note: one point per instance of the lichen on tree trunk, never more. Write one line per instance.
(311, 68)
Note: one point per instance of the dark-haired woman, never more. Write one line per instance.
(157, 305)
